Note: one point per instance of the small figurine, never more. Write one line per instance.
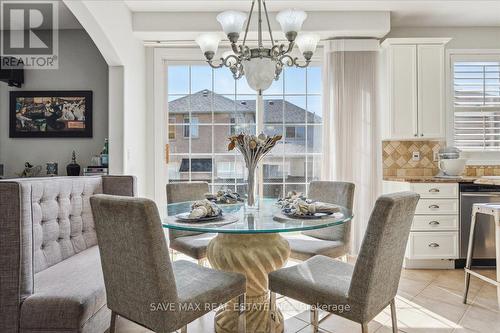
(30, 170)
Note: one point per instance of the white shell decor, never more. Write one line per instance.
(289, 199)
(204, 208)
(227, 197)
(302, 207)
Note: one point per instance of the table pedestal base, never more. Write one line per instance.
(254, 255)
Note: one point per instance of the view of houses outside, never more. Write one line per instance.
(207, 106)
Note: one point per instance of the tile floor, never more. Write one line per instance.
(428, 301)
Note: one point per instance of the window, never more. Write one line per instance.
(171, 128)
(191, 126)
(476, 102)
(210, 105)
(197, 165)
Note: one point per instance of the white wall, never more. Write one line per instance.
(81, 67)
(463, 38)
(109, 23)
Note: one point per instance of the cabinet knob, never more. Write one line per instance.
(422, 134)
(434, 245)
(434, 190)
(434, 207)
(415, 134)
(434, 223)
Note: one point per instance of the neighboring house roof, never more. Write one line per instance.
(200, 102)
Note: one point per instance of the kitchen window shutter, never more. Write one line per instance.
(476, 103)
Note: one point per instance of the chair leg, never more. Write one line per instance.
(112, 325)
(242, 327)
(364, 328)
(470, 253)
(314, 318)
(394, 317)
(184, 329)
(272, 312)
(344, 258)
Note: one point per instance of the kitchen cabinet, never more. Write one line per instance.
(415, 88)
(434, 234)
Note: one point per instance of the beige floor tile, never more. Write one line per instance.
(410, 288)
(293, 325)
(308, 329)
(454, 280)
(487, 298)
(444, 302)
(126, 326)
(426, 275)
(338, 324)
(481, 319)
(414, 320)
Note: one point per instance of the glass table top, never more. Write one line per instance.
(251, 222)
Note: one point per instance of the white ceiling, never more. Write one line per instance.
(404, 13)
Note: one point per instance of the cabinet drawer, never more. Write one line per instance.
(435, 190)
(437, 206)
(434, 222)
(433, 245)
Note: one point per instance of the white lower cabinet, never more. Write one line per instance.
(434, 232)
(434, 235)
(433, 245)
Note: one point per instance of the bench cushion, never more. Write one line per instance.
(67, 294)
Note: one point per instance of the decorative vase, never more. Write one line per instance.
(73, 169)
(252, 188)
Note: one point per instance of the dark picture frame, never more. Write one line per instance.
(50, 114)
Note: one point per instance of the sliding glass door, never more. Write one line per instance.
(206, 106)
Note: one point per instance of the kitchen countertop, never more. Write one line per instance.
(430, 179)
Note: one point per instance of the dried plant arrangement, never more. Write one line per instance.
(253, 148)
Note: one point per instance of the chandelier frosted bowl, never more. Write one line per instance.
(259, 73)
(260, 65)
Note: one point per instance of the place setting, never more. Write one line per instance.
(296, 206)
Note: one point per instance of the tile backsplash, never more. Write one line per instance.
(482, 170)
(397, 158)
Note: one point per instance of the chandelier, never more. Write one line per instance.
(260, 65)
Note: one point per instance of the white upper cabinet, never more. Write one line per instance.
(415, 107)
(431, 92)
(403, 85)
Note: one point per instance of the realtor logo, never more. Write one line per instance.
(29, 34)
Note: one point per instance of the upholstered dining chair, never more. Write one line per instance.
(362, 291)
(142, 284)
(334, 241)
(192, 244)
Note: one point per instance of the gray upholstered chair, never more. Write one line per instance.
(334, 241)
(142, 284)
(368, 286)
(193, 244)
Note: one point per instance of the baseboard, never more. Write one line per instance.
(429, 264)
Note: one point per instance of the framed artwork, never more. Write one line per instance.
(50, 114)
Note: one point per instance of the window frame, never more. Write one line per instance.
(457, 55)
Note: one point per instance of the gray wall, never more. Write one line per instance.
(81, 67)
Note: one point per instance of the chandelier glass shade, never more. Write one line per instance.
(260, 65)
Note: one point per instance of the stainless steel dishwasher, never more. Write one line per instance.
(484, 244)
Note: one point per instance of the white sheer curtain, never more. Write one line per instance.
(350, 100)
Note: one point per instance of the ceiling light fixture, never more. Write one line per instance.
(259, 65)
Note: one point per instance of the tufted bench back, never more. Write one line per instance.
(44, 221)
(62, 221)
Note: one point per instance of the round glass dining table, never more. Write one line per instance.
(253, 246)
